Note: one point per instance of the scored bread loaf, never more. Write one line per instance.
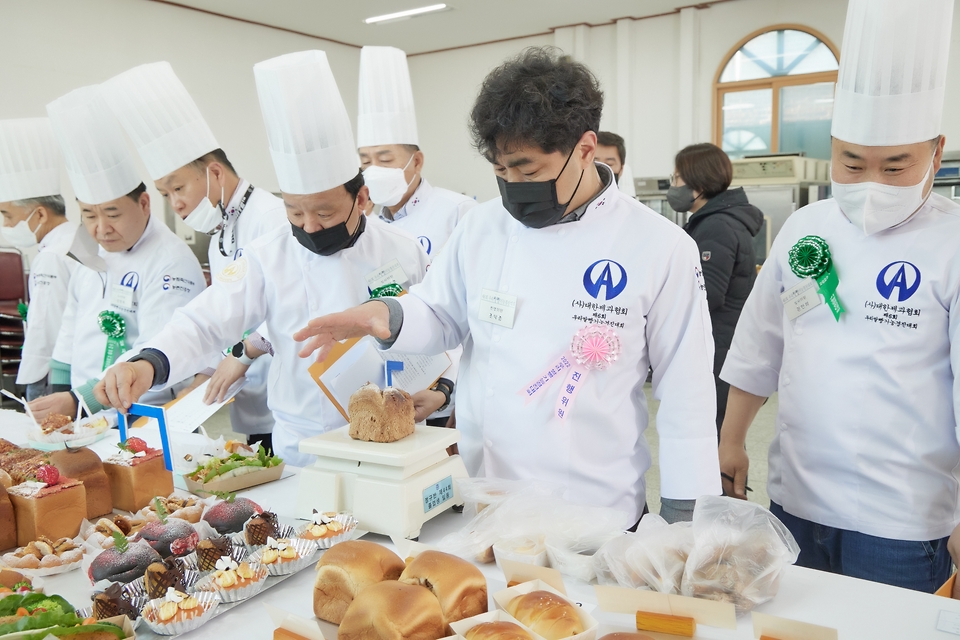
(458, 585)
(346, 569)
(380, 416)
(497, 631)
(393, 610)
(546, 614)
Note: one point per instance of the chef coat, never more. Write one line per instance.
(50, 273)
(159, 272)
(621, 265)
(430, 215)
(279, 282)
(263, 212)
(866, 431)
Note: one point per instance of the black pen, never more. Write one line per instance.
(726, 477)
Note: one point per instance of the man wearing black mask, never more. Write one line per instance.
(324, 261)
(563, 293)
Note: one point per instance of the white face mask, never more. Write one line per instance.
(387, 185)
(207, 218)
(873, 207)
(19, 235)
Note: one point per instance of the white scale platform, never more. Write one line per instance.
(391, 488)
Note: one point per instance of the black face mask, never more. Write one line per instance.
(681, 198)
(327, 242)
(535, 204)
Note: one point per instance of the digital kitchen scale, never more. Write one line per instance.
(391, 488)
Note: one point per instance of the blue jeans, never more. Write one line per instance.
(921, 566)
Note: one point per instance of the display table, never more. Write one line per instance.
(858, 609)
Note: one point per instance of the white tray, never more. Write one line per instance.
(423, 442)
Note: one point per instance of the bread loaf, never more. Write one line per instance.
(347, 568)
(458, 585)
(497, 631)
(547, 614)
(134, 485)
(54, 512)
(393, 610)
(8, 521)
(380, 416)
(86, 466)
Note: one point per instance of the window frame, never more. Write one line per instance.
(773, 83)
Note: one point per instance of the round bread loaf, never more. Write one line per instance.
(458, 585)
(347, 568)
(393, 610)
(497, 631)
(546, 614)
(380, 416)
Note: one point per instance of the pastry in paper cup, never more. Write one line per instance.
(88, 612)
(234, 581)
(328, 528)
(275, 555)
(177, 612)
(209, 551)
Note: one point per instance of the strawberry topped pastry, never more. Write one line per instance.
(137, 474)
(124, 562)
(169, 536)
(228, 516)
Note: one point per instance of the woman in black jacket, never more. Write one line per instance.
(723, 223)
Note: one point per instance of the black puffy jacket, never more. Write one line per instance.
(724, 229)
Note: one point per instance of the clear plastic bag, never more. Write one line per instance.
(739, 552)
(652, 559)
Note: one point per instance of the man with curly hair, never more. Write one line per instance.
(563, 293)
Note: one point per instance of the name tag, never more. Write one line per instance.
(121, 296)
(801, 298)
(390, 273)
(497, 308)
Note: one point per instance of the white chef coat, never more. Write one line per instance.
(50, 273)
(866, 432)
(279, 282)
(621, 265)
(163, 274)
(430, 215)
(262, 213)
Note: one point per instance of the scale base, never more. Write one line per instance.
(388, 506)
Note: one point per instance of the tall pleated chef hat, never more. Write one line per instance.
(29, 159)
(98, 160)
(386, 113)
(160, 117)
(893, 69)
(308, 129)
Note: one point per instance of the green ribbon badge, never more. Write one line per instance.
(391, 290)
(810, 258)
(113, 324)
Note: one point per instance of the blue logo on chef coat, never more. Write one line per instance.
(903, 276)
(425, 243)
(131, 279)
(605, 274)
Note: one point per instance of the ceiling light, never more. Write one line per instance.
(399, 15)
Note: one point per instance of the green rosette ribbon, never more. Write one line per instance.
(810, 258)
(391, 290)
(115, 327)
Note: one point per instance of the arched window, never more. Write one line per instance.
(774, 94)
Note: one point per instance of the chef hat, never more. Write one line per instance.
(96, 156)
(893, 68)
(386, 114)
(29, 160)
(308, 128)
(160, 117)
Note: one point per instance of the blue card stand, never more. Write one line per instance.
(391, 366)
(148, 411)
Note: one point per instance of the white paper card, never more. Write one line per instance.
(949, 621)
(390, 273)
(121, 296)
(801, 298)
(85, 250)
(190, 412)
(497, 308)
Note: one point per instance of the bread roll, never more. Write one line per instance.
(497, 631)
(546, 614)
(458, 585)
(380, 416)
(347, 568)
(393, 610)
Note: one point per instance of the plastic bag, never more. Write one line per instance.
(651, 559)
(480, 493)
(739, 552)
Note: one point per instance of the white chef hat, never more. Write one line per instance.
(29, 159)
(386, 113)
(308, 129)
(160, 117)
(893, 69)
(95, 154)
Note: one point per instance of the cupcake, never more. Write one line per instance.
(285, 556)
(161, 576)
(261, 527)
(117, 601)
(176, 612)
(234, 581)
(211, 550)
(328, 528)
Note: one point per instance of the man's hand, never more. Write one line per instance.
(228, 371)
(426, 402)
(124, 383)
(734, 463)
(198, 380)
(63, 403)
(369, 319)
